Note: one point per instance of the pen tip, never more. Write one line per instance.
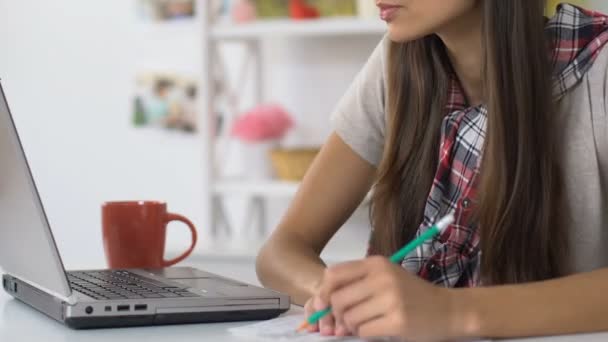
(302, 326)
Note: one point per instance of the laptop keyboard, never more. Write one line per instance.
(119, 284)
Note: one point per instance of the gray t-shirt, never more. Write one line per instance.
(360, 120)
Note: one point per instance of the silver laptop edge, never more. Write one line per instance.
(35, 273)
(23, 212)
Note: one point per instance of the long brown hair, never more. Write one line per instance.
(520, 199)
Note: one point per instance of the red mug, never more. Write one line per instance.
(134, 234)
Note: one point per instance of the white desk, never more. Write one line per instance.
(19, 322)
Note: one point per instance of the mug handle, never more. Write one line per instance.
(176, 217)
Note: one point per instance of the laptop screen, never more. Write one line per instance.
(27, 248)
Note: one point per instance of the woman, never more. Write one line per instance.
(482, 108)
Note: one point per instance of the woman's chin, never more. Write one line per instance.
(397, 34)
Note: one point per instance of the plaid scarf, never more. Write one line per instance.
(453, 259)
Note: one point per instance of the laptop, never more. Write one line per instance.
(34, 272)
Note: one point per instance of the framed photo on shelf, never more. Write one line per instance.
(165, 101)
(166, 10)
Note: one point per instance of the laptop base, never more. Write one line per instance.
(167, 319)
(54, 308)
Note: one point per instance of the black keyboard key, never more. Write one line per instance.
(153, 282)
(134, 296)
(122, 291)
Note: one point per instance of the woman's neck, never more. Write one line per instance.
(462, 39)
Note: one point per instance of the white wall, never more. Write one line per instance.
(67, 67)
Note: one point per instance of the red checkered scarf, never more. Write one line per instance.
(453, 259)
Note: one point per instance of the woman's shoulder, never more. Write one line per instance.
(359, 117)
(578, 36)
(599, 69)
(594, 81)
(583, 116)
(590, 90)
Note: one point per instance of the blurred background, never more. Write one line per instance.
(216, 107)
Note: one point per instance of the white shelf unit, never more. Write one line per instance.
(251, 35)
(305, 28)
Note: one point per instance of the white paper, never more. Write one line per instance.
(282, 329)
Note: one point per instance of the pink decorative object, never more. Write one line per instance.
(243, 11)
(264, 122)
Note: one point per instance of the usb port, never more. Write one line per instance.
(122, 308)
(140, 307)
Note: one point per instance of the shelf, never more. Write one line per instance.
(307, 28)
(268, 188)
(172, 28)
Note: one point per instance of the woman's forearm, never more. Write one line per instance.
(289, 266)
(569, 305)
(334, 185)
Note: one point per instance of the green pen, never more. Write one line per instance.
(396, 258)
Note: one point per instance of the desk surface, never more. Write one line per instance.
(19, 322)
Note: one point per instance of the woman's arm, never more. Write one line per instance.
(333, 188)
(574, 304)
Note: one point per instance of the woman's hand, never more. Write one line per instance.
(374, 298)
(327, 325)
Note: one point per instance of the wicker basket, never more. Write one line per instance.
(272, 8)
(335, 8)
(292, 164)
